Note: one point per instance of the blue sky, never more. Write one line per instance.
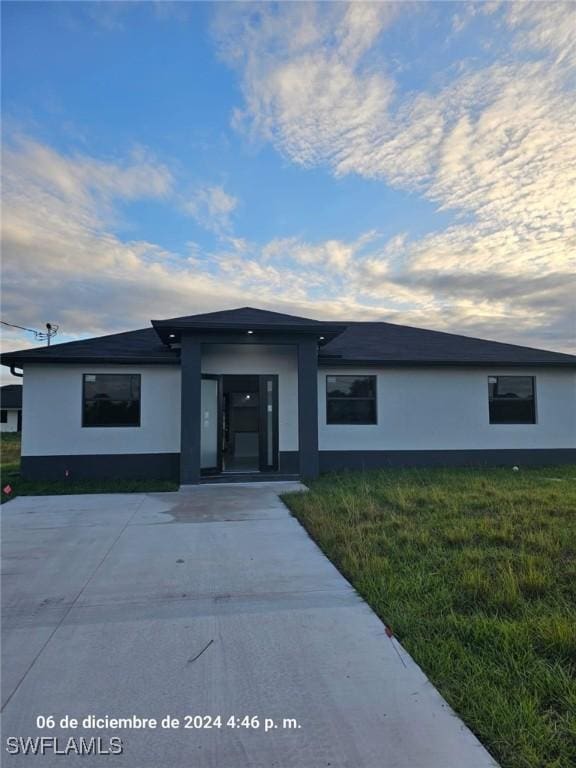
(406, 162)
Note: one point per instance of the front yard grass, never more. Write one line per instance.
(10, 476)
(475, 572)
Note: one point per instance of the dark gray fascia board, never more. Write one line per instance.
(229, 337)
(347, 362)
(164, 328)
(322, 362)
(22, 358)
(316, 326)
(312, 328)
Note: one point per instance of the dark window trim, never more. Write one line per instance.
(375, 399)
(112, 426)
(532, 423)
(4, 415)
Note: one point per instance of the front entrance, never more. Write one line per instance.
(239, 423)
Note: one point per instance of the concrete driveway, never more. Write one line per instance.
(212, 601)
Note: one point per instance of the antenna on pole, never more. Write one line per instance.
(51, 330)
(49, 333)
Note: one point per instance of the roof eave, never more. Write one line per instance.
(341, 361)
(171, 332)
(87, 360)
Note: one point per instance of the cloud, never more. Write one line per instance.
(78, 187)
(306, 86)
(545, 26)
(62, 263)
(491, 140)
(499, 126)
(211, 207)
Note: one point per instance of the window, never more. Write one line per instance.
(111, 400)
(511, 399)
(351, 399)
(3, 416)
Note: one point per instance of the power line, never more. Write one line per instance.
(51, 330)
(22, 328)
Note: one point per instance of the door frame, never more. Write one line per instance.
(263, 380)
(216, 470)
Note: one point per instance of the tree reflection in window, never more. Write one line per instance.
(511, 400)
(111, 400)
(351, 400)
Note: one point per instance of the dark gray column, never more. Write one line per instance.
(191, 359)
(308, 407)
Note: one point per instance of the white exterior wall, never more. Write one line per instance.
(52, 412)
(11, 424)
(447, 409)
(250, 359)
(418, 408)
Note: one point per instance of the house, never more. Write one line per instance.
(248, 393)
(11, 408)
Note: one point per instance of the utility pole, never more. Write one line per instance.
(51, 330)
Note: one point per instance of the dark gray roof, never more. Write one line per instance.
(248, 319)
(141, 346)
(353, 343)
(240, 316)
(401, 344)
(11, 396)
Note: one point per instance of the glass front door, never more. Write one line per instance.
(210, 424)
(241, 419)
(268, 437)
(239, 423)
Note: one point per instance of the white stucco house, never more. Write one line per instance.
(252, 393)
(11, 408)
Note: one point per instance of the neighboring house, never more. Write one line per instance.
(11, 408)
(245, 391)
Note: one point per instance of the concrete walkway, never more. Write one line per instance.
(211, 601)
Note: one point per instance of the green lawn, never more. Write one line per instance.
(10, 469)
(475, 571)
(10, 446)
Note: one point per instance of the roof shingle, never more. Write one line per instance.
(241, 316)
(390, 343)
(358, 342)
(127, 347)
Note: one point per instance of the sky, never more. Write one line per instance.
(411, 162)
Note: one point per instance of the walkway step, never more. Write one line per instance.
(247, 477)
